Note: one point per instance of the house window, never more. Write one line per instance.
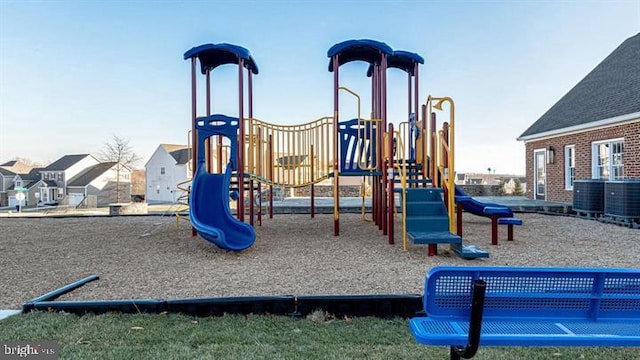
(162, 171)
(607, 159)
(60, 177)
(18, 183)
(569, 166)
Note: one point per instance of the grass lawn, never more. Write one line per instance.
(117, 336)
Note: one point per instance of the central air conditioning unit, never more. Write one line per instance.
(622, 198)
(588, 196)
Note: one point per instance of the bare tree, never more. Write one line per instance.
(119, 151)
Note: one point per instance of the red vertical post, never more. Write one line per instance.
(194, 131)
(260, 166)
(410, 140)
(416, 106)
(383, 198)
(426, 140)
(241, 140)
(374, 115)
(207, 142)
(390, 178)
(494, 230)
(376, 193)
(433, 248)
(251, 149)
(336, 172)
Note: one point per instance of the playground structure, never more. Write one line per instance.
(236, 156)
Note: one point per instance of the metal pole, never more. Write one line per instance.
(241, 140)
(383, 183)
(376, 179)
(207, 142)
(433, 158)
(475, 323)
(410, 138)
(433, 248)
(194, 131)
(390, 179)
(426, 140)
(313, 205)
(416, 105)
(374, 115)
(336, 172)
(251, 149)
(271, 176)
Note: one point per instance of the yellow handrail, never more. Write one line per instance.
(361, 141)
(446, 146)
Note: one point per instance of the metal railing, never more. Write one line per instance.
(289, 155)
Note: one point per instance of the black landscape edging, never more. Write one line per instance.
(384, 306)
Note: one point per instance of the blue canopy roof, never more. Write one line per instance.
(364, 50)
(214, 55)
(402, 60)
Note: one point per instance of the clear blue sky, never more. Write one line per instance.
(72, 74)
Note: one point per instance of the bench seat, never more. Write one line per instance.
(509, 221)
(533, 332)
(529, 306)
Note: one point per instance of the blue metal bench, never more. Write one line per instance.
(505, 306)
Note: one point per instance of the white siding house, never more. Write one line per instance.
(99, 182)
(168, 166)
(32, 182)
(58, 174)
(6, 180)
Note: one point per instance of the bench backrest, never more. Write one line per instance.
(535, 292)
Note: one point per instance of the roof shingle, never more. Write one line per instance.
(611, 89)
(65, 162)
(86, 177)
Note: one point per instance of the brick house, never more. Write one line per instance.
(592, 132)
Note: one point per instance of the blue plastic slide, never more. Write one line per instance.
(478, 208)
(210, 214)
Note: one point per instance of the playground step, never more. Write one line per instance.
(409, 162)
(424, 208)
(424, 194)
(409, 173)
(441, 237)
(413, 181)
(469, 251)
(432, 223)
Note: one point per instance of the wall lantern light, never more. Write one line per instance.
(551, 155)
